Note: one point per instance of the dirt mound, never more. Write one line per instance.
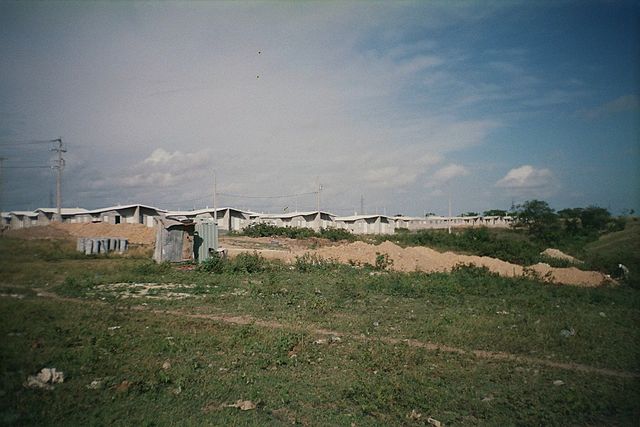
(135, 233)
(558, 254)
(428, 260)
(40, 232)
(419, 258)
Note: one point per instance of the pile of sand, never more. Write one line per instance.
(558, 254)
(135, 233)
(428, 260)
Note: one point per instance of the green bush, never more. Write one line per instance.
(214, 264)
(248, 263)
(336, 234)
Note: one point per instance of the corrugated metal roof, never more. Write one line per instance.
(24, 213)
(206, 210)
(64, 211)
(119, 207)
(357, 217)
(293, 214)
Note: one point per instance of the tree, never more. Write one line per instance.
(594, 218)
(539, 219)
(495, 212)
(469, 214)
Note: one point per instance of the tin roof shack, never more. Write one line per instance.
(73, 215)
(180, 240)
(174, 240)
(127, 214)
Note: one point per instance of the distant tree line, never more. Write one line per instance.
(546, 225)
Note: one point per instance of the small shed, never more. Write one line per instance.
(184, 240)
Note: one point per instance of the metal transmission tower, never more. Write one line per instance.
(59, 166)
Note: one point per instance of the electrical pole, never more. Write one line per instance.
(318, 196)
(215, 190)
(362, 204)
(2, 159)
(449, 211)
(59, 166)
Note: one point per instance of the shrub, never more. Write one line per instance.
(248, 263)
(214, 264)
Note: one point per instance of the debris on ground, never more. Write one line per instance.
(568, 332)
(243, 405)
(94, 385)
(45, 379)
(166, 365)
(332, 339)
(123, 387)
(434, 422)
(414, 415)
(558, 382)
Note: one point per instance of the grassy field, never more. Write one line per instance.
(313, 343)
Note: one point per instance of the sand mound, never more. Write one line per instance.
(135, 233)
(558, 254)
(424, 259)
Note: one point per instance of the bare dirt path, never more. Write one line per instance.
(430, 346)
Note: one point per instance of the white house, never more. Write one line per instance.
(126, 214)
(229, 219)
(367, 224)
(312, 219)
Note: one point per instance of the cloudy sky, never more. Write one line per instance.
(401, 103)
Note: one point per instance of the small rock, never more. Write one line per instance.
(321, 341)
(568, 332)
(414, 415)
(166, 365)
(123, 386)
(434, 422)
(45, 379)
(376, 324)
(558, 382)
(243, 405)
(602, 314)
(95, 384)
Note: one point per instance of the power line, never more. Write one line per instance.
(268, 197)
(27, 167)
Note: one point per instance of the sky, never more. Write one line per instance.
(394, 107)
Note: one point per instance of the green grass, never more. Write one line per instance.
(620, 247)
(364, 379)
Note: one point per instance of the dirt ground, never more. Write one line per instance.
(408, 259)
(135, 233)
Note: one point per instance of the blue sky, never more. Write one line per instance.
(403, 103)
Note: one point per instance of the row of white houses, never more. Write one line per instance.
(232, 219)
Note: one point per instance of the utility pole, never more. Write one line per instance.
(362, 204)
(59, 166)
(215, 190)
(318, 196)
(2, 159)
(449, 222)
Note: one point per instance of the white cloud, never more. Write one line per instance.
(618, 105)
(526, 180)
(445, 174)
